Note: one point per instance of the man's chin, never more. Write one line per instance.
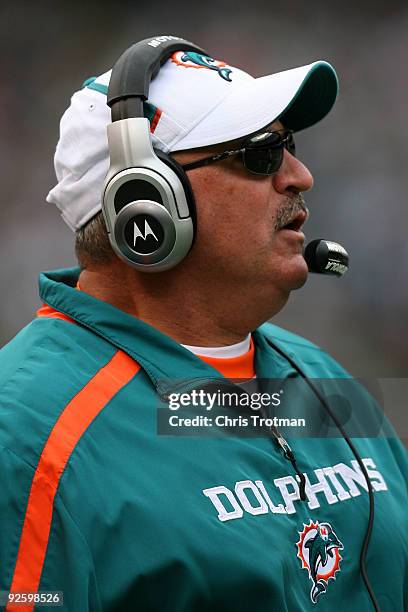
(296, 273)
(292, 277)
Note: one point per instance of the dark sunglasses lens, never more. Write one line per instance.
(263, 154)
(263, 161)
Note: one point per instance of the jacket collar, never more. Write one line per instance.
(163, 359)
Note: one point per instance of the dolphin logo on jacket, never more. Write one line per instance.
(318, 548)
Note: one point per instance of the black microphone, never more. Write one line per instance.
(326, 257)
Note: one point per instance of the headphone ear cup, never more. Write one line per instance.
(185, 183)
(148, 201)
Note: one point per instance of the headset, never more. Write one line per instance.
(148, 203)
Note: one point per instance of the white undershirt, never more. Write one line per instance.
(222, 352)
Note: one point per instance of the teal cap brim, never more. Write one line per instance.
(314, 99)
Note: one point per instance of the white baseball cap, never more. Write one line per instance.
(194, 101)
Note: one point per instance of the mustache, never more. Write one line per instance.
(289, 210)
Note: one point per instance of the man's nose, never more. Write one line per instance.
(293, 176)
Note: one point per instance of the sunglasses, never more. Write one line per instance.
(261, 154)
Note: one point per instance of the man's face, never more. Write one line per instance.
(243, 237)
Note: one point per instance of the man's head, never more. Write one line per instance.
(199, 107)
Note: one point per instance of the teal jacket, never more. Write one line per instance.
(96, 504)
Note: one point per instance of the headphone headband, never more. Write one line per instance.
(136, 67)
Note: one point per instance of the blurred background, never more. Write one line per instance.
(358, 154)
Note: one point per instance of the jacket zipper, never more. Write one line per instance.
(290, 456)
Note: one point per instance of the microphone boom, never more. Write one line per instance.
(326, 257)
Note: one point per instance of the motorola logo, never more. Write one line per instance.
(138, 234)
(144, 234)
(156, 42)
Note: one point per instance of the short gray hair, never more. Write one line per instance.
(92, 244)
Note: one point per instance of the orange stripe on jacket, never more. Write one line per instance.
(47, 311)
(65, 435)
(234, 367)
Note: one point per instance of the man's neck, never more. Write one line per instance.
(181, 309)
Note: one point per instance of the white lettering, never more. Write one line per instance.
(333, 246)
(211, 400)
(321, 486)
(197, 421)
(377, 486)
(288, 497)
(173, 401)
(350, 477)
(155, 42)
(336, 267)
(222, 420)
(246, 504)
(224, 514)
(279, 509)
(341, 492)
(259, 421)
(184, 399)
(337, 476)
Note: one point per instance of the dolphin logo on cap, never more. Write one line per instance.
(191, 59)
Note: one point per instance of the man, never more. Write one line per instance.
(94, 502)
